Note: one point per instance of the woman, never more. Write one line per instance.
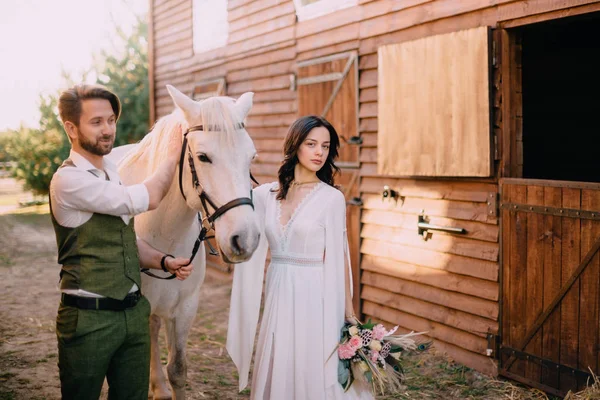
(307, 294)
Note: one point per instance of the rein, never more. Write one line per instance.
(207, 223)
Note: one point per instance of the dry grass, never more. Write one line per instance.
(435, 376)
(592, 392)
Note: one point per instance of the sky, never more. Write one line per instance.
(41, 38)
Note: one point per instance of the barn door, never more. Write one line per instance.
(550, 283)
(328, 86)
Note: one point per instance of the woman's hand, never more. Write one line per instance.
(178, 267)
(351, 318)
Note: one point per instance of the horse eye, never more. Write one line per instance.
(204, 158)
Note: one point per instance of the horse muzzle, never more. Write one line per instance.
(240, 248)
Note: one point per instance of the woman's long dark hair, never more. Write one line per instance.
(296, 135)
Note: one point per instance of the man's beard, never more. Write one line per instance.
(98, 148)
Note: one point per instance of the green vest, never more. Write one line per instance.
(100, 256)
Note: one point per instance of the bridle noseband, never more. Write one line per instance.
(208, 222)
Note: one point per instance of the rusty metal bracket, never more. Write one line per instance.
(559, 212)
(492, 205)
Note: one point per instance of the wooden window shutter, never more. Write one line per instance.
(434, 106)
(328, 86)
(209, 88)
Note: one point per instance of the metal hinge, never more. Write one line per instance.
(493, 347)
(496, 148)
(558, 212)
(492, 205)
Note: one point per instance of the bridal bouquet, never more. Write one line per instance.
(370, 353)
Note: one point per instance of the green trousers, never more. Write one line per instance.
(94, 344)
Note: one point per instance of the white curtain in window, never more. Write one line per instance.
(211, 28)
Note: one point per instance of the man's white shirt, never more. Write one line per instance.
(76, 193)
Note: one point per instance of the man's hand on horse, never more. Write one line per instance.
(178, 267)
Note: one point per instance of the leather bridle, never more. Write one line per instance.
(208, 221)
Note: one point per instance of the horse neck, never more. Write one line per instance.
(165, 226)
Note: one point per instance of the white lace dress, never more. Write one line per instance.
(304, 300)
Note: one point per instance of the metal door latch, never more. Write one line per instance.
(424, 227)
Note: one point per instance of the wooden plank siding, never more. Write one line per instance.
(447, 285)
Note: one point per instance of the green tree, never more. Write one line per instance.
(5, 140)
(126, 74)
(39, 152)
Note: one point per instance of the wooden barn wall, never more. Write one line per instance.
(447, 285)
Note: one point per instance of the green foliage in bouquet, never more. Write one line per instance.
(371, 354)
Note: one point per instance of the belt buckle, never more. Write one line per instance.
(133, 299)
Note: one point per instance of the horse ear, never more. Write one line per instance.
(244, 103)
(184, 103)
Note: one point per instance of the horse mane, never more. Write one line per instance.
(214, 112)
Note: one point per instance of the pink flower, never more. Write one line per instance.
(355, 342)
(374, 356)
(379, 332)
(345, 351)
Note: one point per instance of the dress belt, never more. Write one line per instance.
(296, 259)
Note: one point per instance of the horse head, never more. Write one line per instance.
(215, 170)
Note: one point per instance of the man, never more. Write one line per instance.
(102, 323)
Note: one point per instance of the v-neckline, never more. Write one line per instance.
(284, 228)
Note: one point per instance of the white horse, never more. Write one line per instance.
(221, 152)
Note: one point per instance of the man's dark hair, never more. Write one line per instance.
(69, 103)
